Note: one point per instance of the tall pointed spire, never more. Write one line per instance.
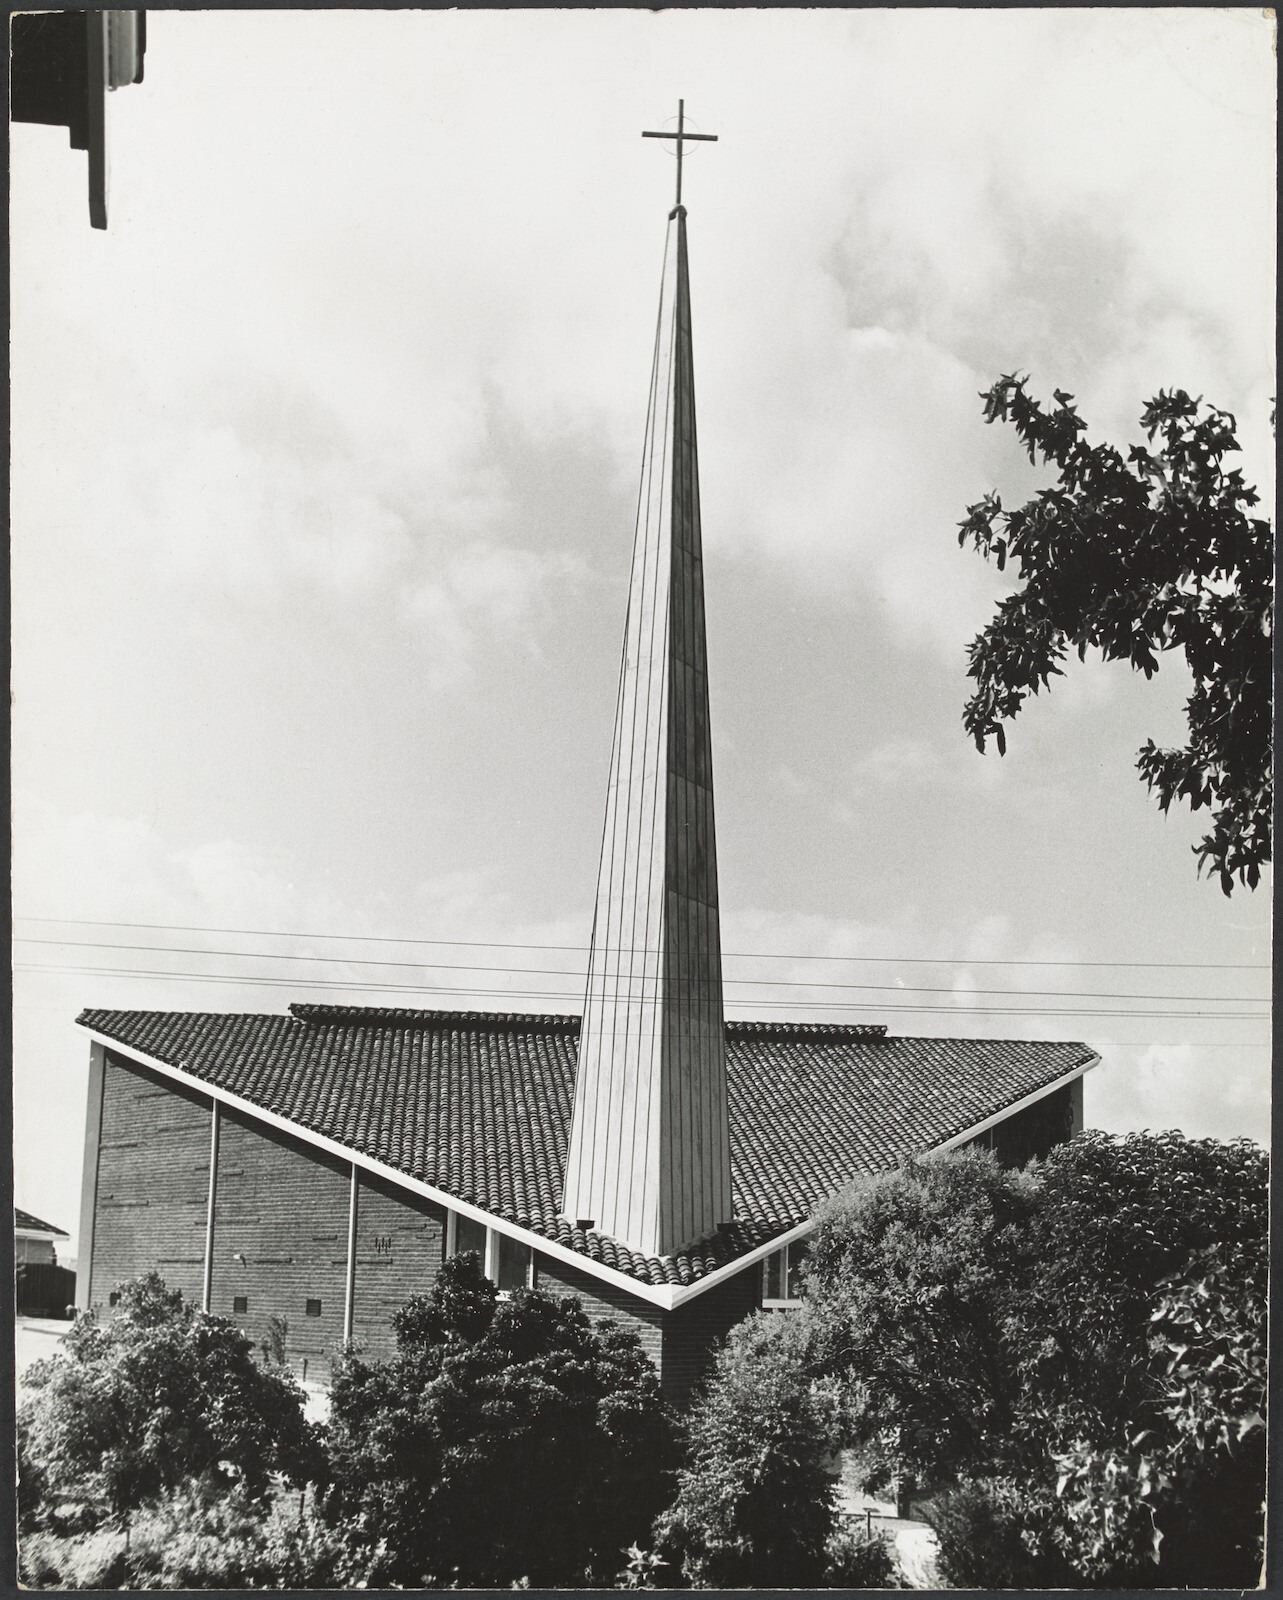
(649, 1157)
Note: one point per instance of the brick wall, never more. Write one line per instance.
(1034, 1131)
(693, 1330)
(400, 1244)
(153, 1182)
(605, 1300)
(679, 1342)
(282, 1206)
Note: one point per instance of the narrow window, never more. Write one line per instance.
(514, 1264)
(113, 1299)
(782, 1277)
(470, 1235)
(313, 1308)
(797, 1255)
(509, 1263)
(240, 1303)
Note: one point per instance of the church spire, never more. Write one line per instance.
(649, 1156)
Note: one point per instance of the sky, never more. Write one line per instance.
(324, 465)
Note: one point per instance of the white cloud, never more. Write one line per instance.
(1208, 1093)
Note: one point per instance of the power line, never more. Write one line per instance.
(561, 994)
(746, 955)
(560, 972)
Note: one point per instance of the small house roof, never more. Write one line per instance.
(29, 1224)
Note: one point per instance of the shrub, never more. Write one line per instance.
(157, 1394)
(855, 1559)
(192, 1539)
(505, 1441)
(754, 1507)
(1080, 1347)
(988, 1538)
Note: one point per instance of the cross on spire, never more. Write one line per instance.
(681, 135)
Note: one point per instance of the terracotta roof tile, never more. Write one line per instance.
(478, 1105)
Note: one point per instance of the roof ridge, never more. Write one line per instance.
(413, 1017)
(745, 1028)
(409, 1017)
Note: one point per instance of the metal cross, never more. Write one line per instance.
(680, 136)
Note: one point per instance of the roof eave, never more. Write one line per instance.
(667, 1296)
(760, 1252)
(657, 1295)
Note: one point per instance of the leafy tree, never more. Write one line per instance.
(1205, 1448)
(915, 1280)
(153, 1396)
(506, 1440)
(1079, 1349)
(1134, 557)
(754, 1506)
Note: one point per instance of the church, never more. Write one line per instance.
(304, 1174)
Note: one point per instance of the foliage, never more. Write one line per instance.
(194, 1539)
(1134, 557)
(1079, 1348)
(156, 1394)
(916, 1278)
(754, 1506)
(274, 1344)
(991, 1534)
(642, 1570)
(505, 1440)
(860, 1560)
(1119, 1217)
(1188, 1491)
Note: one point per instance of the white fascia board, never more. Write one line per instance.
(1083, 1067)
(668, 1297)
(693, 1290)
(657, 1296)
(750, 1258)
(48, 1235)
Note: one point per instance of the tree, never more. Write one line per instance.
(1079, 1349)
(506, 1440)
(754, 1506)
(154, 1396)
(1134, 557)
(915, 1281)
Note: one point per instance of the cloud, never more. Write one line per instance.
(1208, 1093)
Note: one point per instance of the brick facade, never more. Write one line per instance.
(693, 1330)
(601, 1299)
(281, 1230)
(280, 1240)
(1053, 1120)
(153, 1182)
(400, 1245)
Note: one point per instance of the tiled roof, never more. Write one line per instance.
(478, 1105)
(24, 1219)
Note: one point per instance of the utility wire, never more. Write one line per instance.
(747, 955)
(561, 972)
(286, 982)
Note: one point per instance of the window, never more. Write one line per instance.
(313, 1308)
(509, 1263)
(113, 1299)
(240, 1303)
(782, 1277)
(469, 1234)
(515, 1261)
